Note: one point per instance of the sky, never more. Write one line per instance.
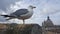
(43, 9)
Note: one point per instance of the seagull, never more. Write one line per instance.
(21, 14)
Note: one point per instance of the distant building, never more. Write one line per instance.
(49, 28)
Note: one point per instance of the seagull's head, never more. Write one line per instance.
(32, 7)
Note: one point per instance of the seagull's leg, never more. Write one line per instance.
(23, 21)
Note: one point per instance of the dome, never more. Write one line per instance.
(48, 22)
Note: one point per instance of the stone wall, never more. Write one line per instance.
(21, 29)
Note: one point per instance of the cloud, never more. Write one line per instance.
(49, 8)
(4, 4)
(44, 7)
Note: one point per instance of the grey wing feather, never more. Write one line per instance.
(20, 12)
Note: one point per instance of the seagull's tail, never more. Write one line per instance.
(5, 15)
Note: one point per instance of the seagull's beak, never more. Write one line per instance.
(34, 7)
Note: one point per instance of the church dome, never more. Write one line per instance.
(48, 22)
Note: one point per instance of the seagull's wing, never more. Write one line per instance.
(20, 12)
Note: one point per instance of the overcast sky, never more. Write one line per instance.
(43, 9)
